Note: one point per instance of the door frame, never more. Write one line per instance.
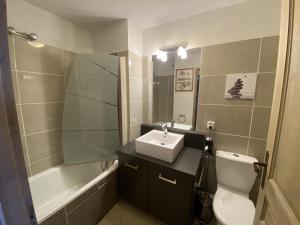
(15, 196)
(272, 191)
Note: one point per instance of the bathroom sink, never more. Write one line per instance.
(158, 145)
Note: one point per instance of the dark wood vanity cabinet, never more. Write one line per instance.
(133, 181)
(170, 195)
(163, 190)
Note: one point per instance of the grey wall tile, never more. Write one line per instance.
(43, 60)
(231, 143)
(235, 57)
(212, 91)
(41, 117)
(44, 145)
(229, 119)
(260, 122)
(257, 148)
(269, 54)
(45, 164)
(37, 88)
(264, 89)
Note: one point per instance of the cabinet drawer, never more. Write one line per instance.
(133, 181)
(170, 196)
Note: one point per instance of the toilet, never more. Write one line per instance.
(235, 176)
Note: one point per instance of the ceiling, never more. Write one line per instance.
(146, 13)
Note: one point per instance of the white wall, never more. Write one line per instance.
(51, 29)
(244, 21)
(111, 37)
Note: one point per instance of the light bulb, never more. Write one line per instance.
(164, 57)
(159, 54)
(182, 53)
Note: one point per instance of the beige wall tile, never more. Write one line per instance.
(136, 67)
(24, 148)
(41, 117)
(45, 164)
(11, 52)
(136, 113)
(212, 91)
(257, 148)
(15, 86)
(229, 119)
(68, 62)
(235, 57)
(135, 132)
(20, 120)
(260, 122)
(145, 90)
(43, 60)
(44, 145)
(269, 54)
(231, 143)
(135, 90)
(37, 88)
(264, 89)
(146, 112)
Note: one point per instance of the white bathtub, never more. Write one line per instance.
(54, 188)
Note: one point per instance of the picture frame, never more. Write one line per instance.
(184, 80)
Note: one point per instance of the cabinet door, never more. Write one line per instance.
(133, 181)
(170, 196)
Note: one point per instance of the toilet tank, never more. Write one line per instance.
(235, 171)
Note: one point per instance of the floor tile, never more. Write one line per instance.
(125, 214)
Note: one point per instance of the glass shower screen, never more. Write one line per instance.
(90, 117)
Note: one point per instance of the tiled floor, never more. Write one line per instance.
(125, 214)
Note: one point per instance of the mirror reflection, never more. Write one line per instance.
(175, 87)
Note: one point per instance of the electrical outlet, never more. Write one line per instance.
(211, 125)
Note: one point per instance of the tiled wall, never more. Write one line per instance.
(163, 96)
(241, 125)
(39, 79)
(139, 95)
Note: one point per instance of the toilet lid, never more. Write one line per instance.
(232, 208)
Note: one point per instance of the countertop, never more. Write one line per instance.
(187, 162)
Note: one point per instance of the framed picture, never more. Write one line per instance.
(184, 79)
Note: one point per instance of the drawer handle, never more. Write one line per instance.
(131, 166)
(166, 179)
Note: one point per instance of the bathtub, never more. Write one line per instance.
(56, 190)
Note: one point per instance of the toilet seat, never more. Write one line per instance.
(231, 208)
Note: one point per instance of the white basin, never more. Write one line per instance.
(154, 144)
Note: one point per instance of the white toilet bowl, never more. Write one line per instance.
(235, 175)
(233, 208)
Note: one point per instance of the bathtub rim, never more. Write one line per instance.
(87, 186)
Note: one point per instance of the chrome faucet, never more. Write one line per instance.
(172, 123)
(165, 128)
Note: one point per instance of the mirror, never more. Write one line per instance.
(176, 88)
